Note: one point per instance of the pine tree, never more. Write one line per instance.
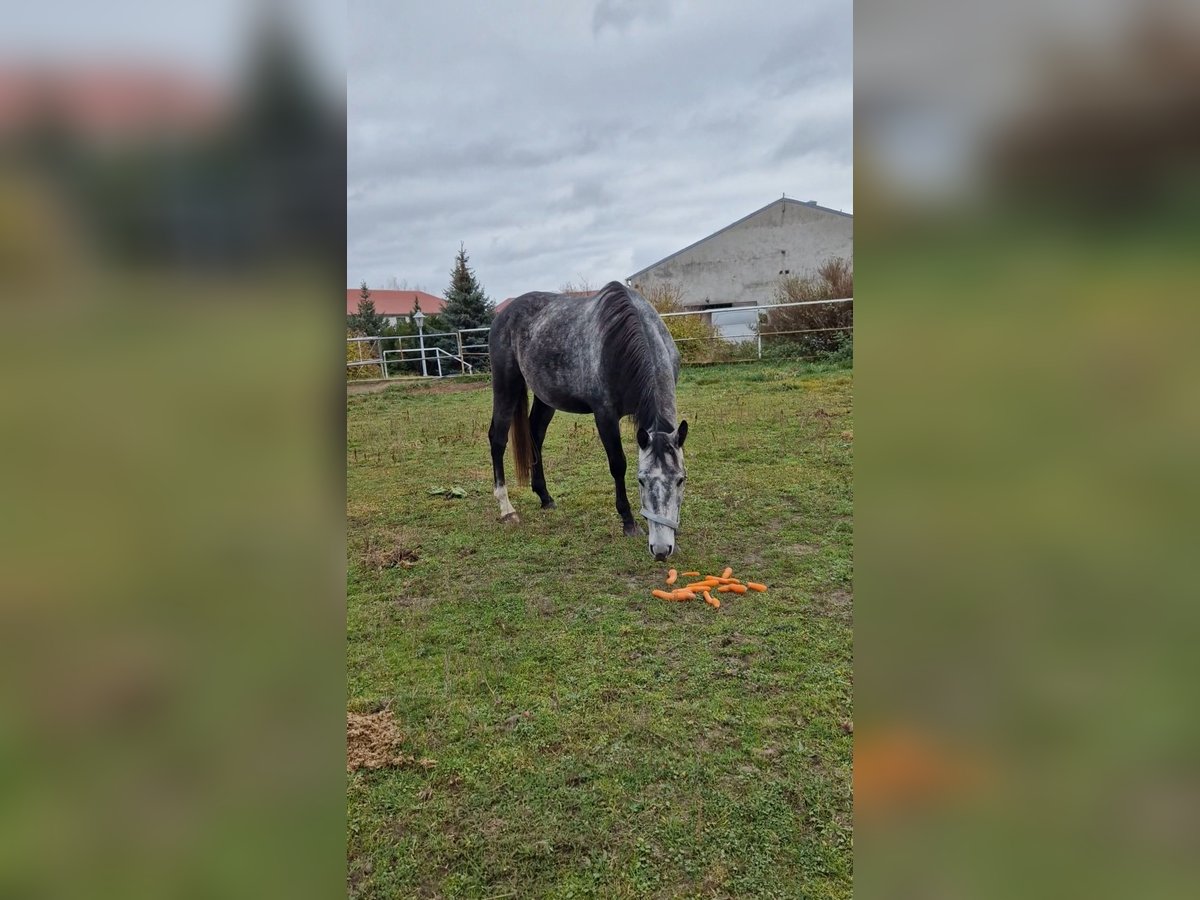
(466, 304)
(366, 320)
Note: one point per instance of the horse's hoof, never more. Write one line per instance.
(511, 519)
(633, 530)
(549, 504)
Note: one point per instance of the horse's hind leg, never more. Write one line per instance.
(539, 420)
(503, 408)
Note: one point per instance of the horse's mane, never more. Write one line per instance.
(625, 344)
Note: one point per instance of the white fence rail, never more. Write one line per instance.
(735, 324)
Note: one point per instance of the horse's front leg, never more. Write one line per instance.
(610, 436)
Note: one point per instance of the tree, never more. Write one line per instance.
(583, 286)
(366, 320)
(466, 304)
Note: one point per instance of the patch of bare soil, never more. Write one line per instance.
(358, 870)
(837, 604)
(415, 387)
(389, 556)
(373, 741)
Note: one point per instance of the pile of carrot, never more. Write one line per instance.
(724, 583)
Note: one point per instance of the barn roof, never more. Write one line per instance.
(811, 204)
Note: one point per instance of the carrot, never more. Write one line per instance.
(737, 588)
(728, 581)
(728, 571)
(711, 601)
(755, 586)
(671, 576)
(699, 585)
(683, 594)
(724, 589)
(663, 595)
(689, 574)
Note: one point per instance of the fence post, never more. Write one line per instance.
(461, 358)
(439, 359)
(760, 346)
(382, 360)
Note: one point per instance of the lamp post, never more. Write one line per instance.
(419, 318)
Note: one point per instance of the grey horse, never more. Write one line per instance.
(608, 355)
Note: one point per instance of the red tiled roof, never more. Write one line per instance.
(395, 303)
(107, 101)
(505, 302)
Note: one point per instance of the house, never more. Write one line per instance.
(395, 305)
(740, 264)
(109, 104)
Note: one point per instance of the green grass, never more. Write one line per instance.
(592, 740)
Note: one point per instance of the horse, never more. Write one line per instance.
(610, 356)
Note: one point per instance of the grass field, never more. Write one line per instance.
(591, 740)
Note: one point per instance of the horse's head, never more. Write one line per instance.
(660, 482)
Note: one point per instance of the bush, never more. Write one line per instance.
(803, 331)
(359, 351)
(698, 339)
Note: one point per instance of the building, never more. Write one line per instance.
(739, 265)
(395, 305)
(106, 105)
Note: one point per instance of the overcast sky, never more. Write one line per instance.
(583, 139)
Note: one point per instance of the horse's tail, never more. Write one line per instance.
(522, 439)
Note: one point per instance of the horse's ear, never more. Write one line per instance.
(643, 438)
(681, 434)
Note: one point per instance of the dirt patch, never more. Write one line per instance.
(389, 555)
(415, 387)
(492, 828)
(358, 871)
(838, 605)
(716, 877)
(373, 741)
(804, 549)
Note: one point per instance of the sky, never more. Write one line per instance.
(581, 140)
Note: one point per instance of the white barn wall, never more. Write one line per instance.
(741, 263)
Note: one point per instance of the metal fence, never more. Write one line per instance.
(430, 358)
(450, 353)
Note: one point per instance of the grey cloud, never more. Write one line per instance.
(621, 14)
(588, 193)
(832, 137)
